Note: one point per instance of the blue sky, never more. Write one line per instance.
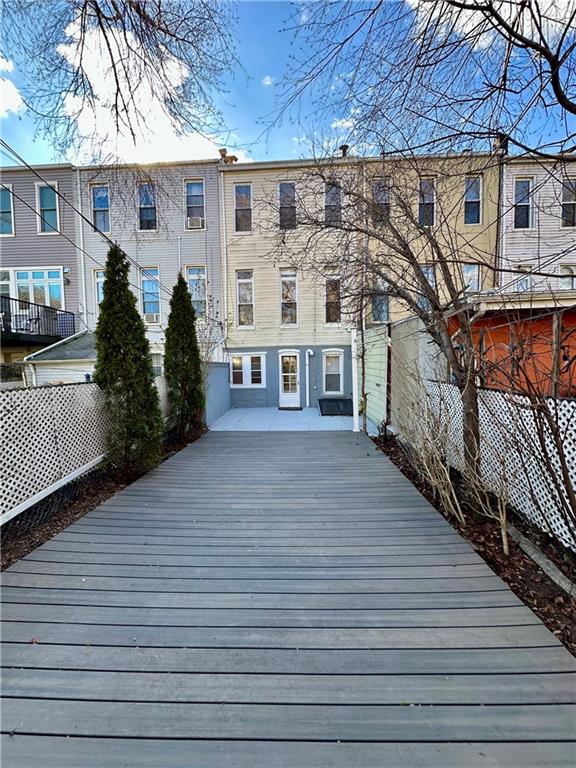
(263, 50)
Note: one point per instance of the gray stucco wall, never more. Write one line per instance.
(217, 391)
(268, 396)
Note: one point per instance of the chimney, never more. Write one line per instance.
(501, 143)
(344, 150)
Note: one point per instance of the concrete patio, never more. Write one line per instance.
(275, 420)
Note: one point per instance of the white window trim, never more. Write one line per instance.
(244, 231)
(237, 308)
(531, 213)
(287, 181)
(524, 272)
(104, 231)
(385, 290)
(340, 353)
(141, 270)
(13, 233)
(324, 301)
(478, 274)
(205, 268)
(434, 179)
(247, 369)
(569, 274)
(153, 185)
(562, 227)
(296, 324)
(95, 289)
(192, 180)
(13, 280)
(480, 177)
(54, 185)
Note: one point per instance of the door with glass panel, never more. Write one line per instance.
(289, 380)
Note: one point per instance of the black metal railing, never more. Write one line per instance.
(23, 318)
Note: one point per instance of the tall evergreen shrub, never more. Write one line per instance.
(182, 366)
(125, 374)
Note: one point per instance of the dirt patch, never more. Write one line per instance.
(526, 579)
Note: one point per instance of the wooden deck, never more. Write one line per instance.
(275, 600)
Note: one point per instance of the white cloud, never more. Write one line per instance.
(156, 140)
(342, 124)
(10, 99)
(304, 16)
(267, 81)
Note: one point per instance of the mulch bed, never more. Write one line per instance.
(526, 579)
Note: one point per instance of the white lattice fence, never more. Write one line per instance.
(512, 452)
(48, 434)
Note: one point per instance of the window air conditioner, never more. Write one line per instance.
(195, 222)
(151, 317)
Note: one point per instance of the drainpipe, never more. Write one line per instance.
(224, 252)
(82, 259)
(354, 343)
(179, 241)
(309, 354)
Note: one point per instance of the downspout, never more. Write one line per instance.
(179, 241)
(309, 354)
(224, 252)
(355, 402)
(500, 228)
(82, 259)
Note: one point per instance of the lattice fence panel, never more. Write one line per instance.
(47, 433)
(512, 451)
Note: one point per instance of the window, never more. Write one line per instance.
(471, 275)
(157, 363)
(332, 372)
(195, 215)
(524, 283)
(332, 204)
(426, 212)
(568, 277)
(4, 282)
(40, 286)
(101, 209)
(6, 211)
(99, 285)
(289, 297)
(48, 219)
(522, 203)
(151, 294)
(379, 309)
(472, 200)
(569, 203)
(245, 297)
(247, 371)
(381, 201)
(287, 198)
(333, 304)
(243, 207)
(196, 279)
(430, 276)
(147, 201)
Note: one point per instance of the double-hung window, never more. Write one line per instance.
(471, 277)
(196, 279)
(287, 200)
(101, 208)
(245, 297)
(381, 201)
(332, 204)
(430, 277)
(195, 214)
(522, 203)
(47, 207)
(473, 200)
(567, 276)
(157, 363)
(333, 303)
(289, 297)
(147, 207)
(151, 294)
(569, 203)
(379, 302)
(332, 364)
(243, 207)
(4, 282)
(524, 283)
(40, 286)
(427, 202)
(6, 211)
(248, 371)
(99, 276)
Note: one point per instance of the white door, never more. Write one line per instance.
(289, 380)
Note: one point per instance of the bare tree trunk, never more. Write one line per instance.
(471, 428)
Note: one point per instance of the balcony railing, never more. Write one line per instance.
(20, 319)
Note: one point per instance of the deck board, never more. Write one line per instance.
(275, 599)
